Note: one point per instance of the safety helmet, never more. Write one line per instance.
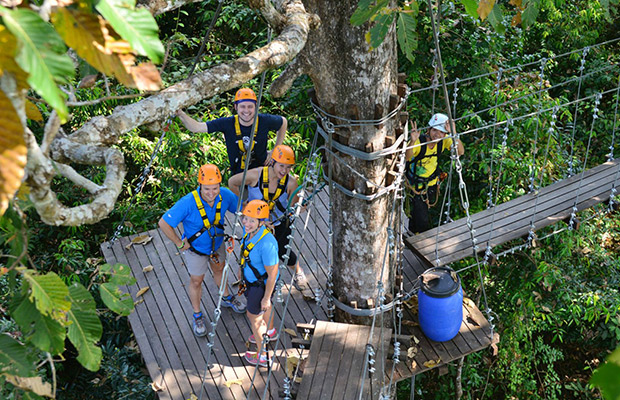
(438, 121)
(256, 209)
(283, 154)
(245, 94)
(209, 174)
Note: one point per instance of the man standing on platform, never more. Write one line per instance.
(202, 213)
(422, 170)
(237, 129)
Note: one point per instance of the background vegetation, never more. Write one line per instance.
(557, 306)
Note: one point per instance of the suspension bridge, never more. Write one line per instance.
(351, 361)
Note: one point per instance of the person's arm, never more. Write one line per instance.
(414, 136)
(191, 124)
(168, 230)
(281, 134)
(451, 127)
(235, 181)
(292, 186)
(270, 284)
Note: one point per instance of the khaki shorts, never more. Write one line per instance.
(198, 264)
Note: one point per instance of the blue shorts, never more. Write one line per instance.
(254, 295)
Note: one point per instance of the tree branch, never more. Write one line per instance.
(49, 133)
(90, 144)
(271, 15)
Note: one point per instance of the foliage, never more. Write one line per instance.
(47, 310)
(606, 376)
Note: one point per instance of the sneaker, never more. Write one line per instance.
(199, 326)
(300, 281)
(252, 358)
(273, 335)
(234, 303)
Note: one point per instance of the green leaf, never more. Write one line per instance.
(43, 331)
(471, 7)
(136, 25)
(14, 357)
(407, 37)
(606, 376)
(496, 18)
(365, 11)
(120, 274)
(377, 33)
(115, 299)
(48, 292)
(42, 54)
(529, 15)
(84, 327)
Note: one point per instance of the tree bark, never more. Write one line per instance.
(354, 82)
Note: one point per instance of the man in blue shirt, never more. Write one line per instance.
(202, 214)
(237, 129)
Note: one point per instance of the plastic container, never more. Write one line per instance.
(440, 303)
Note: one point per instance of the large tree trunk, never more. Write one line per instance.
(354, 82)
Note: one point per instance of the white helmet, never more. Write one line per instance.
(438, 121)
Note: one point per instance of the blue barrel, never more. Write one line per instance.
(440, 303)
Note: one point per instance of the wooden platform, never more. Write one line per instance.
(335, 367)
(176, 359)
(452, 242)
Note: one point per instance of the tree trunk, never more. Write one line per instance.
(354, 82)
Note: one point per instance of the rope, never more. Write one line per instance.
(539, 106)
(572, 139)
(146, 171)
(496, 110)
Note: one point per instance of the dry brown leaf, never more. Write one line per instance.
(142, 239)
(88, 81)
(148, 268)
(469, 302)
(233, 382)
(192, 397)
(414, 365)
(139, 301)
(13, 151)
(291, 366)
(290, 332)
(156, 386)
(432, 363)
(32, 112)
(546, 309)
(415, 339)
(128, 246)
(537, 295)
(412, 351)
(33, 384)
(142, 291)
(426, 278)
(409, 323)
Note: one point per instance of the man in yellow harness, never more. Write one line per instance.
(274, 185)
(237, 129)
(422, 169)
(202, 214)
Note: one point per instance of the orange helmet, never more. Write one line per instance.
(209, 174)
(283, 154)
(256, 209)
(245, 94)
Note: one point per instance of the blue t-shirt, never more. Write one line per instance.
(266, 123)
(264, 253)
(186, 211)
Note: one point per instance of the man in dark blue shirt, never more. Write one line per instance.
(236, 130)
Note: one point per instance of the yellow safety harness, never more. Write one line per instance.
(207, 225)
(264, 187)
(240, 139)
(245, 258)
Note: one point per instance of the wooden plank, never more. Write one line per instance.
(353, 338)
(181, 309)
(483, 219)
(328, 334)
(229, 329)
(138, 330)
(142, 311)
(312, 361)
(509, 223)
(340, 339)
(166, 317)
